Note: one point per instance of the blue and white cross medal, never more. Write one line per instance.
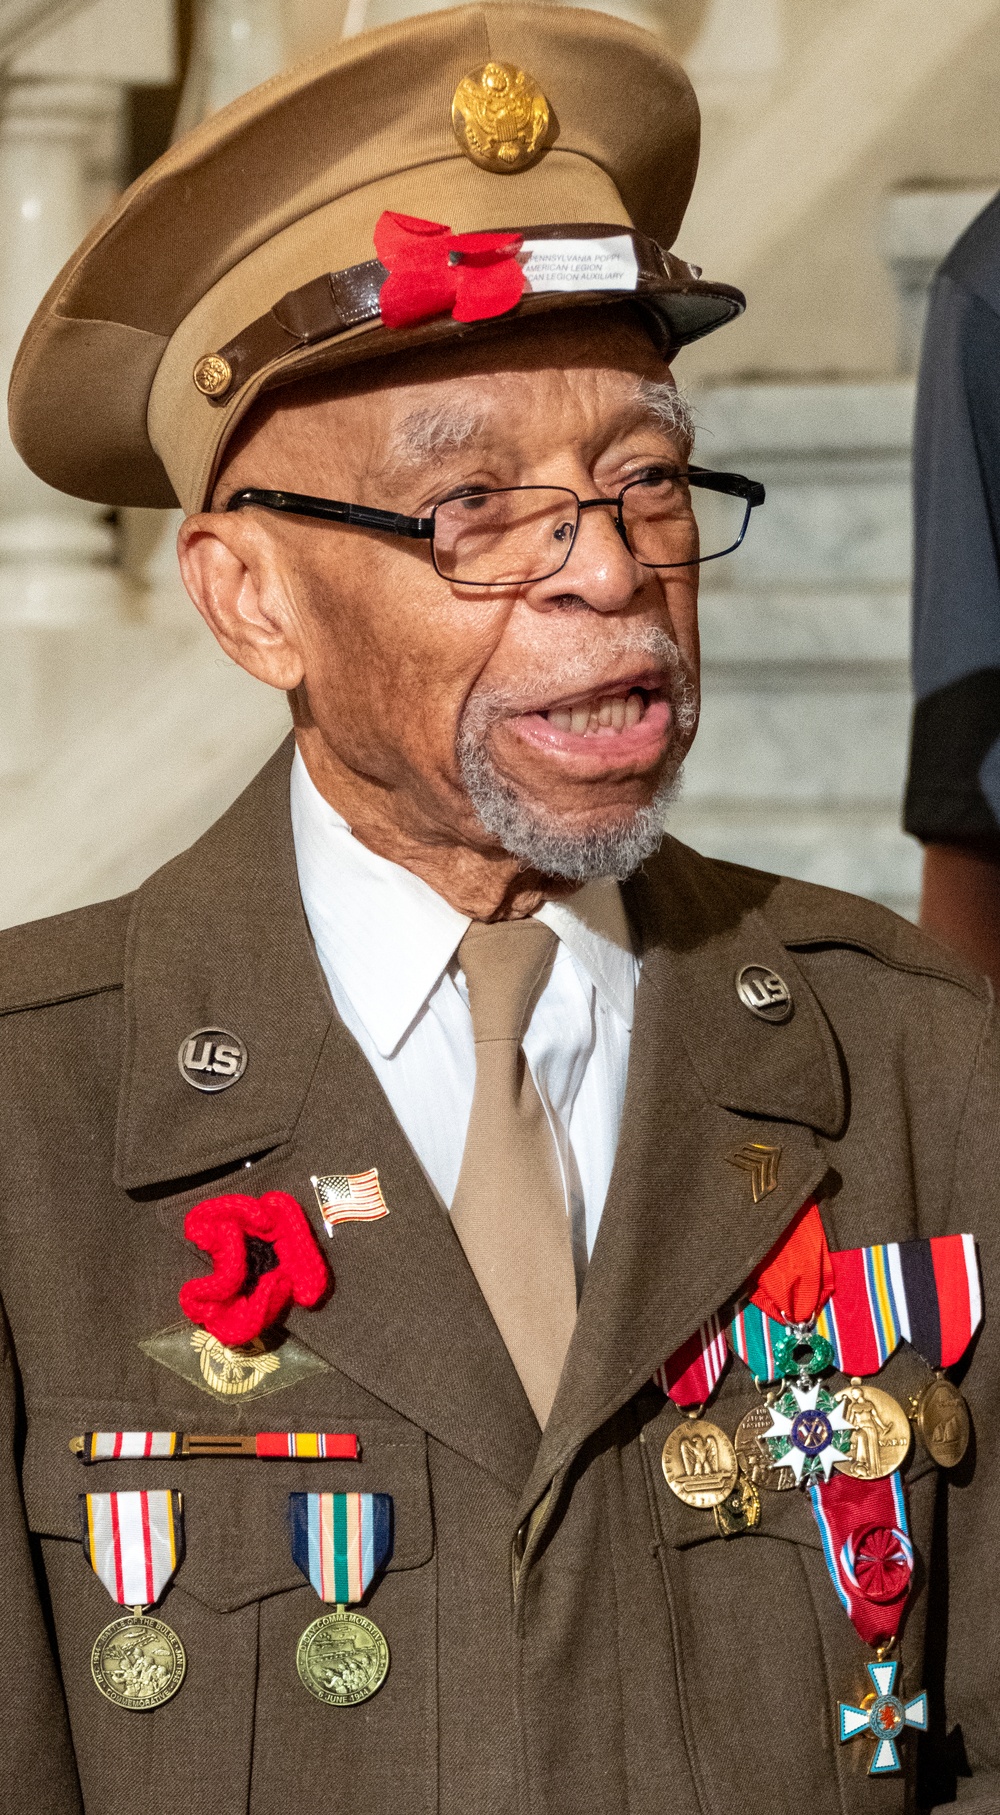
(885, 1719)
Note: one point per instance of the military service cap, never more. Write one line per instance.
(246, 257)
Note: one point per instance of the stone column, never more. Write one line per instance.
(236, 44)
(57, 554)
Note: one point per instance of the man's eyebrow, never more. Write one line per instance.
(669, 409)
(425, 433)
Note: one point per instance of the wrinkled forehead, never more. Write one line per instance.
(530, 390)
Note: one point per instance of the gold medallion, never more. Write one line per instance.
(699, 1463)
(212, 375)
(881, 1439)
(342, 1658)
(739, 1511)
(138, 1662)
(753, 1455)
(500, 117)
(942, 1418)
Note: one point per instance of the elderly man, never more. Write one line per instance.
(486, 1287)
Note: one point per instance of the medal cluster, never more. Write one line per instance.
(806, 1316)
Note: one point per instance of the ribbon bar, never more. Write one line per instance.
(302, 1446)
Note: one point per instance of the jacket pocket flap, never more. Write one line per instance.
(236, 1525)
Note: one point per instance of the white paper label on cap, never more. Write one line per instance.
(580, 264)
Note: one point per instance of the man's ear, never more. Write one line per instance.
(230, 572)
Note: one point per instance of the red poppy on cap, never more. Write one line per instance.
(433, 271)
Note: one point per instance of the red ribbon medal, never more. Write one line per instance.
(691, 1374)
(869, 1555)
(795, 1279)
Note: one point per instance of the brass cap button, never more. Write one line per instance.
(500, 117)
(212, 375)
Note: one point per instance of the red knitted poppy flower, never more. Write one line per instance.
(224, 1227)
(432, 270)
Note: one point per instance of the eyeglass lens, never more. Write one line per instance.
(513, 537)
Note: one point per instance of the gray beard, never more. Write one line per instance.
(538, 837)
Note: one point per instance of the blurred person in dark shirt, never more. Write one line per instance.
(953, 792)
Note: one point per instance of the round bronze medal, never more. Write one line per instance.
(881, 1439)
(754, 1457)
(342, 1658)
(138, 1662)
(942, 1418)
(699, 1463)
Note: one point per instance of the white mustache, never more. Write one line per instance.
(578, 674)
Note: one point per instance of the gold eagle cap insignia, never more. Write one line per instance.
(500, 117)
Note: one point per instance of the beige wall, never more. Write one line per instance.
(821, 300)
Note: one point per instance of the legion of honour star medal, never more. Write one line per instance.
(133, 1542)
(340, 1542)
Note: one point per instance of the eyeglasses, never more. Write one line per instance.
(524, 533)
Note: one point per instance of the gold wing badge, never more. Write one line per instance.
(500, 117)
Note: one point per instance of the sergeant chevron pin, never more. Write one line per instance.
(762, 1164)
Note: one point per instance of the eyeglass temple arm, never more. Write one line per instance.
(733, 484)
(297, 504)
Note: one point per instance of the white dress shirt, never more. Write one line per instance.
(388, 945)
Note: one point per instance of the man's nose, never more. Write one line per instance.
(602, 573)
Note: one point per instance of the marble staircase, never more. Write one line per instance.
(799, 761)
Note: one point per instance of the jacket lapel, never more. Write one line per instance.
(219, 939)
(680, 1230)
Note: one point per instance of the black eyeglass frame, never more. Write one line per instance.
(421, 529)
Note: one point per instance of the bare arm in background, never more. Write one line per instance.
(960, 903)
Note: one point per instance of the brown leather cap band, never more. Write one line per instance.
(329, 305)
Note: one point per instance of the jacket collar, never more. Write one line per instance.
(218, 939)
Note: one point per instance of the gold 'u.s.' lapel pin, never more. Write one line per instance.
(762, 1164)
(349, 1197)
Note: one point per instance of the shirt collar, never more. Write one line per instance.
(388, 937)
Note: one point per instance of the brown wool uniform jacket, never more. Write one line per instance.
(615, 1655)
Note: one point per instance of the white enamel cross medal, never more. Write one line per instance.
(808, 1432)
(885, 1719)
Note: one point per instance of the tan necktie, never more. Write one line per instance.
(509, 1210)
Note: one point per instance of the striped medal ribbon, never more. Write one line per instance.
(341, 1542)
(133, 1541)
(926, 1292)
(691, 1374)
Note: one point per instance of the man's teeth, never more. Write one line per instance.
(599, 715)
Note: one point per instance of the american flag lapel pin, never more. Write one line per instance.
(349, 1197)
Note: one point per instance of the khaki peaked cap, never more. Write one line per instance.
(261, 203)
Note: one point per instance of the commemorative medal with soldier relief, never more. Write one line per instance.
(133, 1542)
(340, 1542)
